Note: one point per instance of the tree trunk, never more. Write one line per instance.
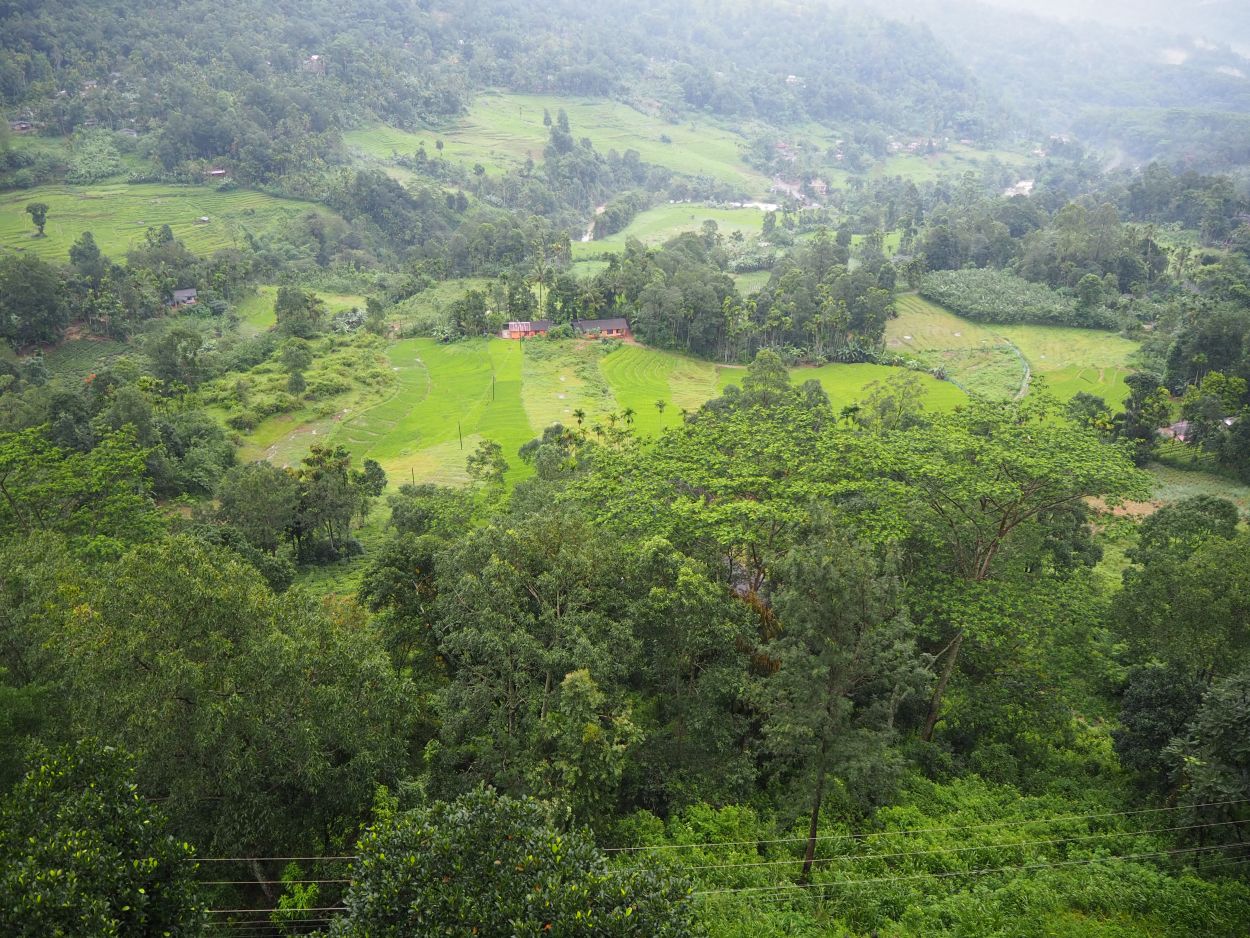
(935, 704)
(810, 853)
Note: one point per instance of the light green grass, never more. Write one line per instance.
(979, 356)
(640, 376)
(255, 312)
(955, 159)
(1070, 360)
(444, 393)
(118, 215)
(848, 384)
(659, 224)
(584, 270)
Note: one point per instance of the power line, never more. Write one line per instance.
(1202, 868)
(324, 908)
(265, 859)
(922, 830)
(266, 882)
(920, 853)
(972, 872)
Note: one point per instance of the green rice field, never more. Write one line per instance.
(118, 215)
(501, 131)
(990, 359)
(446, 398)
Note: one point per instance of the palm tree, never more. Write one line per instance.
(628, 414)
(660, 405)
(580, 416)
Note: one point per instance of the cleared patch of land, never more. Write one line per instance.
(989, 359)
(255, 312)
(501, 131)
(118, 216)
(659, 224)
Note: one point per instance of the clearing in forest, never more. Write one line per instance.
(500, 131)
(659, 224)
(118, 215)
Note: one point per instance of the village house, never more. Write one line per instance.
(525, 329)
(218, 173)
(602, 328)
(315, 65)
(21, 127)
(184, 298)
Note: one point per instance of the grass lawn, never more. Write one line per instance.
(988, 358)
(118, 215)
(256, 311)
(659, 224)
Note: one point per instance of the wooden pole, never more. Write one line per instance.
(459, 434)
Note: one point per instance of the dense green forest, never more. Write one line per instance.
(888, 577)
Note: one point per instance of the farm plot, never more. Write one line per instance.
(501, 131)
(659, 224)
(255, 312)
(990, 359)
(445, 398)
(118, 215)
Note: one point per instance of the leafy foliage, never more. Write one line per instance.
(82, 853)
(491, 865)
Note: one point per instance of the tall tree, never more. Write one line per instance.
(845, 660)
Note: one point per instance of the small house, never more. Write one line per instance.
(21, 127)
(525, 329)
(184, 298)
(218, 173)
(315, 65)
(602, 328)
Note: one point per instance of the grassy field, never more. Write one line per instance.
(509, 391)
(118, 215)
(989, 359)
(659, 224)
(501, 130)
(256, 311)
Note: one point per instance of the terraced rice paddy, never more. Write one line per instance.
(501, 131)
(118, 216)
(448, 397)
(991, 359)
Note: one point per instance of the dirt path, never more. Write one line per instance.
(590, 228)
(1028, 372)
